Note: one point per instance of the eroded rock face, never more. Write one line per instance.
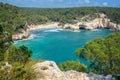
(82, 27)
(101, 22)
(114, 26)
(21, 35)
(71, 27)
(52, 72)
(49, 68)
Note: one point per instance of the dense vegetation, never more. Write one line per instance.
(72, 65)
(69, 15)
(13, 60)
(13, 18)
(103, 54)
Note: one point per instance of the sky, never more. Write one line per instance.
(62, 3)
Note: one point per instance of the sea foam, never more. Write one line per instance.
(52, 30)
(95, 29)
(29, 38)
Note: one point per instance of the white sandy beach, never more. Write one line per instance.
(43, 26)
(26, 33)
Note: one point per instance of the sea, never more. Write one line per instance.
(59, 45)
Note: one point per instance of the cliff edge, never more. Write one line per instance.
(21, 35)
(50, 71)
(101, 22)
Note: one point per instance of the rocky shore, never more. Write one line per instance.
(98, 23)
(21, 35)
(48, 70)
(26, 33)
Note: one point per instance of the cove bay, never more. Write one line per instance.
(59, 45)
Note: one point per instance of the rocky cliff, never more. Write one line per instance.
(50, 71)
(100, 22)
(21, 35)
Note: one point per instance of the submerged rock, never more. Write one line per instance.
(52, 72)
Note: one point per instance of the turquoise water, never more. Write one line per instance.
(59, 45)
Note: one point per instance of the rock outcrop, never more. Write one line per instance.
(21, 35)
(101, 22)
(52, 72)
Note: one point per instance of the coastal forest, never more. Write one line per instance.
(15, 62)
(16, 18)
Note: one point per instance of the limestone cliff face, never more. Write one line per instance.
(101, 22)
(50, 71)
(21, 35)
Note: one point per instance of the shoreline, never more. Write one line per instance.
(98, 23)
(43, 26)
(26, 33)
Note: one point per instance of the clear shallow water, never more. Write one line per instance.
(59, 45)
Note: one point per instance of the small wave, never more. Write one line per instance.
(68, 30)
(95, 29)
(30, 37)
(61, 29)
(52, 30)
(76, 31)
(15, 42)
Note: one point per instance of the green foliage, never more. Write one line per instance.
(112, 13)
(16, 72)
(12, 59)
(17, 59)
(68, 15)
(10, 18)
(14, 19)
(72, 65)
(5, 41)
(20, 55)
(103, 54)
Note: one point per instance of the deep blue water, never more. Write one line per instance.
(59, 45)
